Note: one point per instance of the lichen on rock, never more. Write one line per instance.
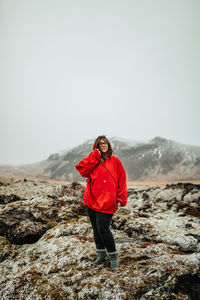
(47, 247)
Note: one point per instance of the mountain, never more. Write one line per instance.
(159, 159)
(162, 159)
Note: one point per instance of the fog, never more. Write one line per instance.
(71, 70)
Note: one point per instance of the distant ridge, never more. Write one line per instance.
(159, 159)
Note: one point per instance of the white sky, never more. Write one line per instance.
(71, 70)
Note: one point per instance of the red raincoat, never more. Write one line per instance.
(106, 183)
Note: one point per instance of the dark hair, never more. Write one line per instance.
(97, 143)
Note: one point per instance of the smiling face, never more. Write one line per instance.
(103, 145)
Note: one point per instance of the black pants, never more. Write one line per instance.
(102, 235)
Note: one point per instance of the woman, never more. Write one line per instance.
(105, 192)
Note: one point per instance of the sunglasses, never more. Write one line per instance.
(103, 143)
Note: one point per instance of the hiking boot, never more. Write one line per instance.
(114, 262)
(101, 256)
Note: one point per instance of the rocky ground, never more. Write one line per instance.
(47, 248)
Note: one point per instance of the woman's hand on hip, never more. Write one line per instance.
(119, 204)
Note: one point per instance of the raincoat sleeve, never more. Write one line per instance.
(122, 188)
(87, 164)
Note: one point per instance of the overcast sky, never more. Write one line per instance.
(72, 69)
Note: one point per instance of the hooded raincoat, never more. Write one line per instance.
(106, 182)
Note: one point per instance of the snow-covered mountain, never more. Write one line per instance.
(157, 159)
(161, 159)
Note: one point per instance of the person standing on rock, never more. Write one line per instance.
(105, 192)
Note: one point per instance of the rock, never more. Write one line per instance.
(50, 251)
(21, 227)
(169, 195)
(187, 285)
(4, 199)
